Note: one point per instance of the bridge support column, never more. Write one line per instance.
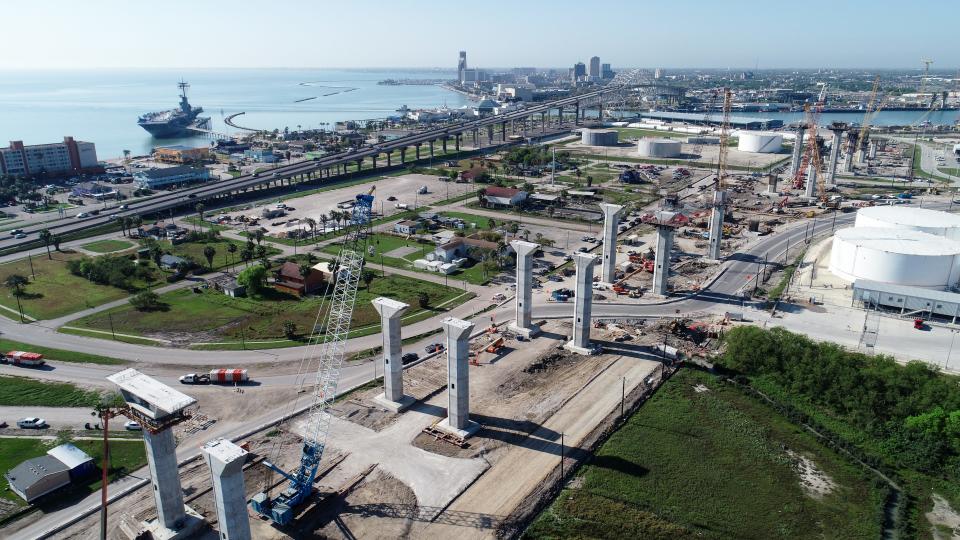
(390, 313)
(543, 123)
(522, 324)
(417, 151)
(583, 304)
(611, 217)
(389, 159)
(458, 379)
(457, 140)
(374, 162)
(560, 117)
(600, 107)
(576, 113)
(490, 134)
(431, 149)
(444, 144)
(403, 155)
(503, 132)
(359, 165)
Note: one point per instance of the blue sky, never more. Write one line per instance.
(419, 33)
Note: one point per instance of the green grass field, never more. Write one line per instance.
(107, 246)
(952, 171)
(55, 291)
(20, 391)
(638, 133)
(61, 355)
(221, 259)
(711, 464)
(212, 316)
(125, 456)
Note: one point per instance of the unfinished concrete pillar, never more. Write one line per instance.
(797, 151)
(226, 460)
(611, 219)
(582, 304)
(834, 157)
(661, 266)
(458, 378)
(523, 324)
(810, 189)
(165, 476)
(391, 311)
(716, 225)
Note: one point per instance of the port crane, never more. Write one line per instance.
(812, 155)
(332, 345)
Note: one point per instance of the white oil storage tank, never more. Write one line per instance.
(897, 256)
(658, 148)
(761, 142)
(599, 137)
(905, 217)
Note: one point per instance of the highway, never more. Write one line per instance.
(206, 191)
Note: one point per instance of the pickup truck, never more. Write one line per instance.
(195, 378)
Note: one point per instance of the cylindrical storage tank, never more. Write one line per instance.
(905, 217)
(762, 142)
(658, 148)
(900, 257)
(599, 137)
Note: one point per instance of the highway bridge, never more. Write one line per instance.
(333, 165)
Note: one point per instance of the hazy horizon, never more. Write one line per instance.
(303, 34)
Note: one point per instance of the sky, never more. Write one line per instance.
(419, 33)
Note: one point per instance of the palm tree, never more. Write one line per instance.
(231, 249)
(45, 236)
(124, 225)
(246, 255)
(323, 223)
(56, 241)
(208, 253)
(312, 223)
(258, 236)
(16, 283)
(199, 208)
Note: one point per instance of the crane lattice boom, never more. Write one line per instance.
(347, 272)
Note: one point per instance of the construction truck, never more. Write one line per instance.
(495, 346)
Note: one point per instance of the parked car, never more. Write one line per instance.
(132, 426)
(19, 236)
(32, 422)
(409, 357)
(433, 347)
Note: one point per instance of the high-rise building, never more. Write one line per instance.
(67, 157)
(606, 72)
(579, 72)
(461, 65)
(657, 73)
(595, 66)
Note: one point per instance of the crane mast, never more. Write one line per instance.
(332, 347)
(724, 137)
(868, 115)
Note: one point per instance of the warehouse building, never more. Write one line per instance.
(41, 475)
(180, 154)
(739, 122)
(170, 176)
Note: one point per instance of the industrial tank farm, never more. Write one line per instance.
(896, 256)
(599, 137)
(658, 148)
(917, 219)
(761, 142)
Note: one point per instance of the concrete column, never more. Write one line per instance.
(444, 144)
(490, 134)
(359, 165)
(582, 304)
(458, 378)
(374, 161)
(834, 157)
(873, 150)
(162, 458)
(503, 132)
(457, 140)
(543, 122)
(661, 266)
(810, 189)
(600, 108)
(797, 151)
(560, 117)
(611, 219)
(417, 151)
(403, 155)
(716, 224)
(523, 324)
(431, 149)
(852, 138)
(772, 184)
(389, 159)
(226, 460)
(576, 113)
(391, 312)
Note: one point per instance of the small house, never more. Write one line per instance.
(172, 262)
(407, 226)
(227, 284)
(503, 196)
(461, 247)
(289, 279)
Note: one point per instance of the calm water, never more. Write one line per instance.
(103, 106)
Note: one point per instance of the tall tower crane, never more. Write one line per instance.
(719, 195)
(724, 138)
(812, 154)
(926, 73)
(873, 107)
(332, 345)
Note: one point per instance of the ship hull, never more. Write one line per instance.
(165, 131)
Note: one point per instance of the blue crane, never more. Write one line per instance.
(332, 344)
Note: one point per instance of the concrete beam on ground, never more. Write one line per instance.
(716, 224)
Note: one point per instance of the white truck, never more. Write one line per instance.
(216, 376)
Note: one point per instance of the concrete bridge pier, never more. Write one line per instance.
(543, 122)
(403, 155)
(458, 420)
(560, 117)
(389, 159)
(457, 141)
(490, 134)
(576, 113)
(503, 132)
(583, 304)
(416, 149)
(444, 144)
(431, 149)
(375, 161)
(359, 165)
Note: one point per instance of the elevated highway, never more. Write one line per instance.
(330, 165)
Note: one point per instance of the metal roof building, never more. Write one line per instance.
(38, 476)
(906, 299)
(742, 122)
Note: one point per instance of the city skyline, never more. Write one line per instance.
(299, 34)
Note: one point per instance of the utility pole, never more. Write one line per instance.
(114, 334)
(561, 456)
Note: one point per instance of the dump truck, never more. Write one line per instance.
(23, 358)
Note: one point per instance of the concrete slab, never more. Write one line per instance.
(471, 428)
(395, 406)
(192, 524)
